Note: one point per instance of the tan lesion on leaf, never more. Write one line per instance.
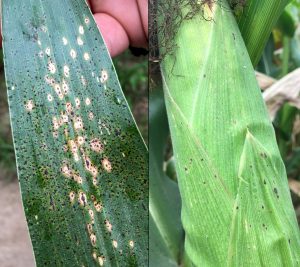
(108, 225)
(78, 123)
(29, 105)
(106, 164)
(73, 53)
(51, 67)
(86, 56)
(93, 239)
(91, 213)
(87, 101)
(81, 29)
(65, 40)
(82, 199)
(89, 166)
(64, 118)
(69, 107)
(89, 227)
(115, 243)
(86, 20)
(79, 41)
(76, 157)
(104, 76)
(131, 243)
(95, 181)
(96, 145)
(66, 170)
(66, 71)
(48, 51)
(91, 115)
(77, 178)
(55, 123)
(72, 196)
(58, 91)
(65, 87)
(101, 260)
(50, 97)
(80, 140)
(98, 206)
(73, 146)
(77, 102)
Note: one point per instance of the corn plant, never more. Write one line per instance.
(166, 233)
(82, 164)
(236, 205)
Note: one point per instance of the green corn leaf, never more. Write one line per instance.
(82, 164)
(165, 200)
(286, 24)
(256, 19)
(286, 55)
(236, 205)
(159, 253)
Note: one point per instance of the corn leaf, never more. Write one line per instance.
(159, 253)
(256, 19)
(236, 205)
(82, 164)
(165, 203)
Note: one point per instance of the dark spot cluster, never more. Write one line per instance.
(275, 190)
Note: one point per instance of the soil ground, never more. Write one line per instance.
(15, 246)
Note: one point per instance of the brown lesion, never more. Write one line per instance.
(89, 227)
(108, 225)
(106, 164)
(82, 199)
(96, 145)
(72, 196)
(98, 206)
(93, 239)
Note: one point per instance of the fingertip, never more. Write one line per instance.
(114, 35)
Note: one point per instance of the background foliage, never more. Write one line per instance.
(281, 56)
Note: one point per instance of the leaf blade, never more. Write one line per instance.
(208, 145)
(81, 161)
(256, 22)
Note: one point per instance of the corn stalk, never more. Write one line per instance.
(236, 205)
(82, 164)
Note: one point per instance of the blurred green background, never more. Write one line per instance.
(280, 59)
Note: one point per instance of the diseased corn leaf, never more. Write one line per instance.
(254, 222)
(206, 203)
(236, 206)
(256, 18)
(165, 203)
(82, 164)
